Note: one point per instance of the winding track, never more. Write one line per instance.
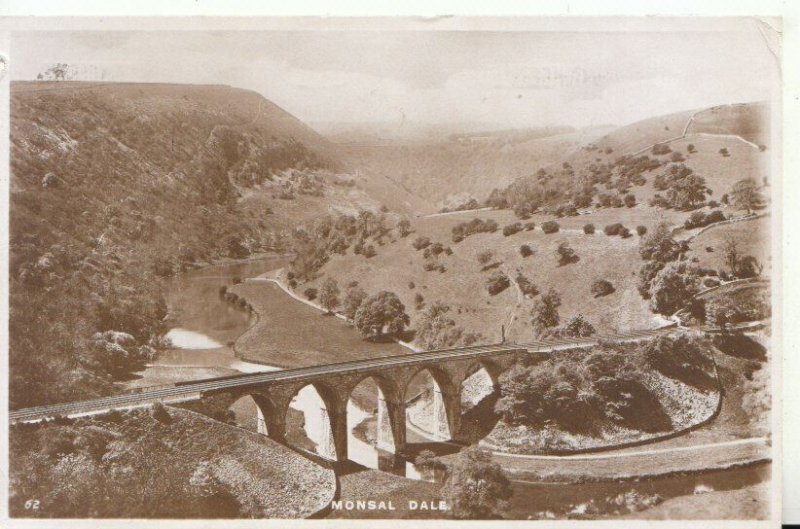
(194, 390)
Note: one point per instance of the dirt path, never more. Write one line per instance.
(686, 135)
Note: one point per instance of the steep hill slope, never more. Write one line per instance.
(116, 185)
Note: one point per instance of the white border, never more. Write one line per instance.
(785, 241)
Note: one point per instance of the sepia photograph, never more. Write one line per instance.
(394, 269)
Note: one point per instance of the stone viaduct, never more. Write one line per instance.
(274, 397)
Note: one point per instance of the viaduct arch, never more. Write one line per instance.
(273, 399)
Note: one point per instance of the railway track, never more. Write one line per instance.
(193, 390)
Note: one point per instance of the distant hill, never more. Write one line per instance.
(467, 165)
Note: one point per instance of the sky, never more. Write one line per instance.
(505, 79)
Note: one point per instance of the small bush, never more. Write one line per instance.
(614, 229)
(292, 284)
(419, 300)
(511, 229)
(496, 283)
(565, 254)
(661, 148)
(601, 287)
(421, 242)
(310, 293)
(641, 230)
(485, 257)
(550, 226)
(525, 250)
(724, 152)
(529, 226)
(369, 251)
(588, 229)
(629, 200)
(525, 285)
(411, 285)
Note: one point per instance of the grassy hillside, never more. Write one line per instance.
(603, 168)
(114, 186)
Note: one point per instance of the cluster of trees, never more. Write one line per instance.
(464, 229)
(464, 206)
(476, 488)
(668, 285)
(436, 330)
(376, 315)
(684, 189)
(617, 229)
(316, 242)
(497, 282)
(743, 306)
(586, 391)
(544, 314)
(565, 254)
(76, 471)
(698, 219)
(582, 393)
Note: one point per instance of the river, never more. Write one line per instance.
(203, 328)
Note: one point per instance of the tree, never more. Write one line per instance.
(497, 282)
(550, 226)
(731, 251)
(476, 488)
(511, 229)
(310, 293)
(659, 245)
(352, 301)
(383, 310)
(404, 227)
(421, 242)
(329, 294)
(629, 200)
(746, 195)
(588, 229)
(485, 257)
(565, 254)
(436, 330)
(672, 289)
(601, 287)
(525, 250)
(578, 327)
(545, 311)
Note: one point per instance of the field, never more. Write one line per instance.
(463, 284)
(291, 334)
(751, 236)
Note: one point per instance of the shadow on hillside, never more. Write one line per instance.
(740, 346)
(406, 336)
(491, 266)
(478, 421)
